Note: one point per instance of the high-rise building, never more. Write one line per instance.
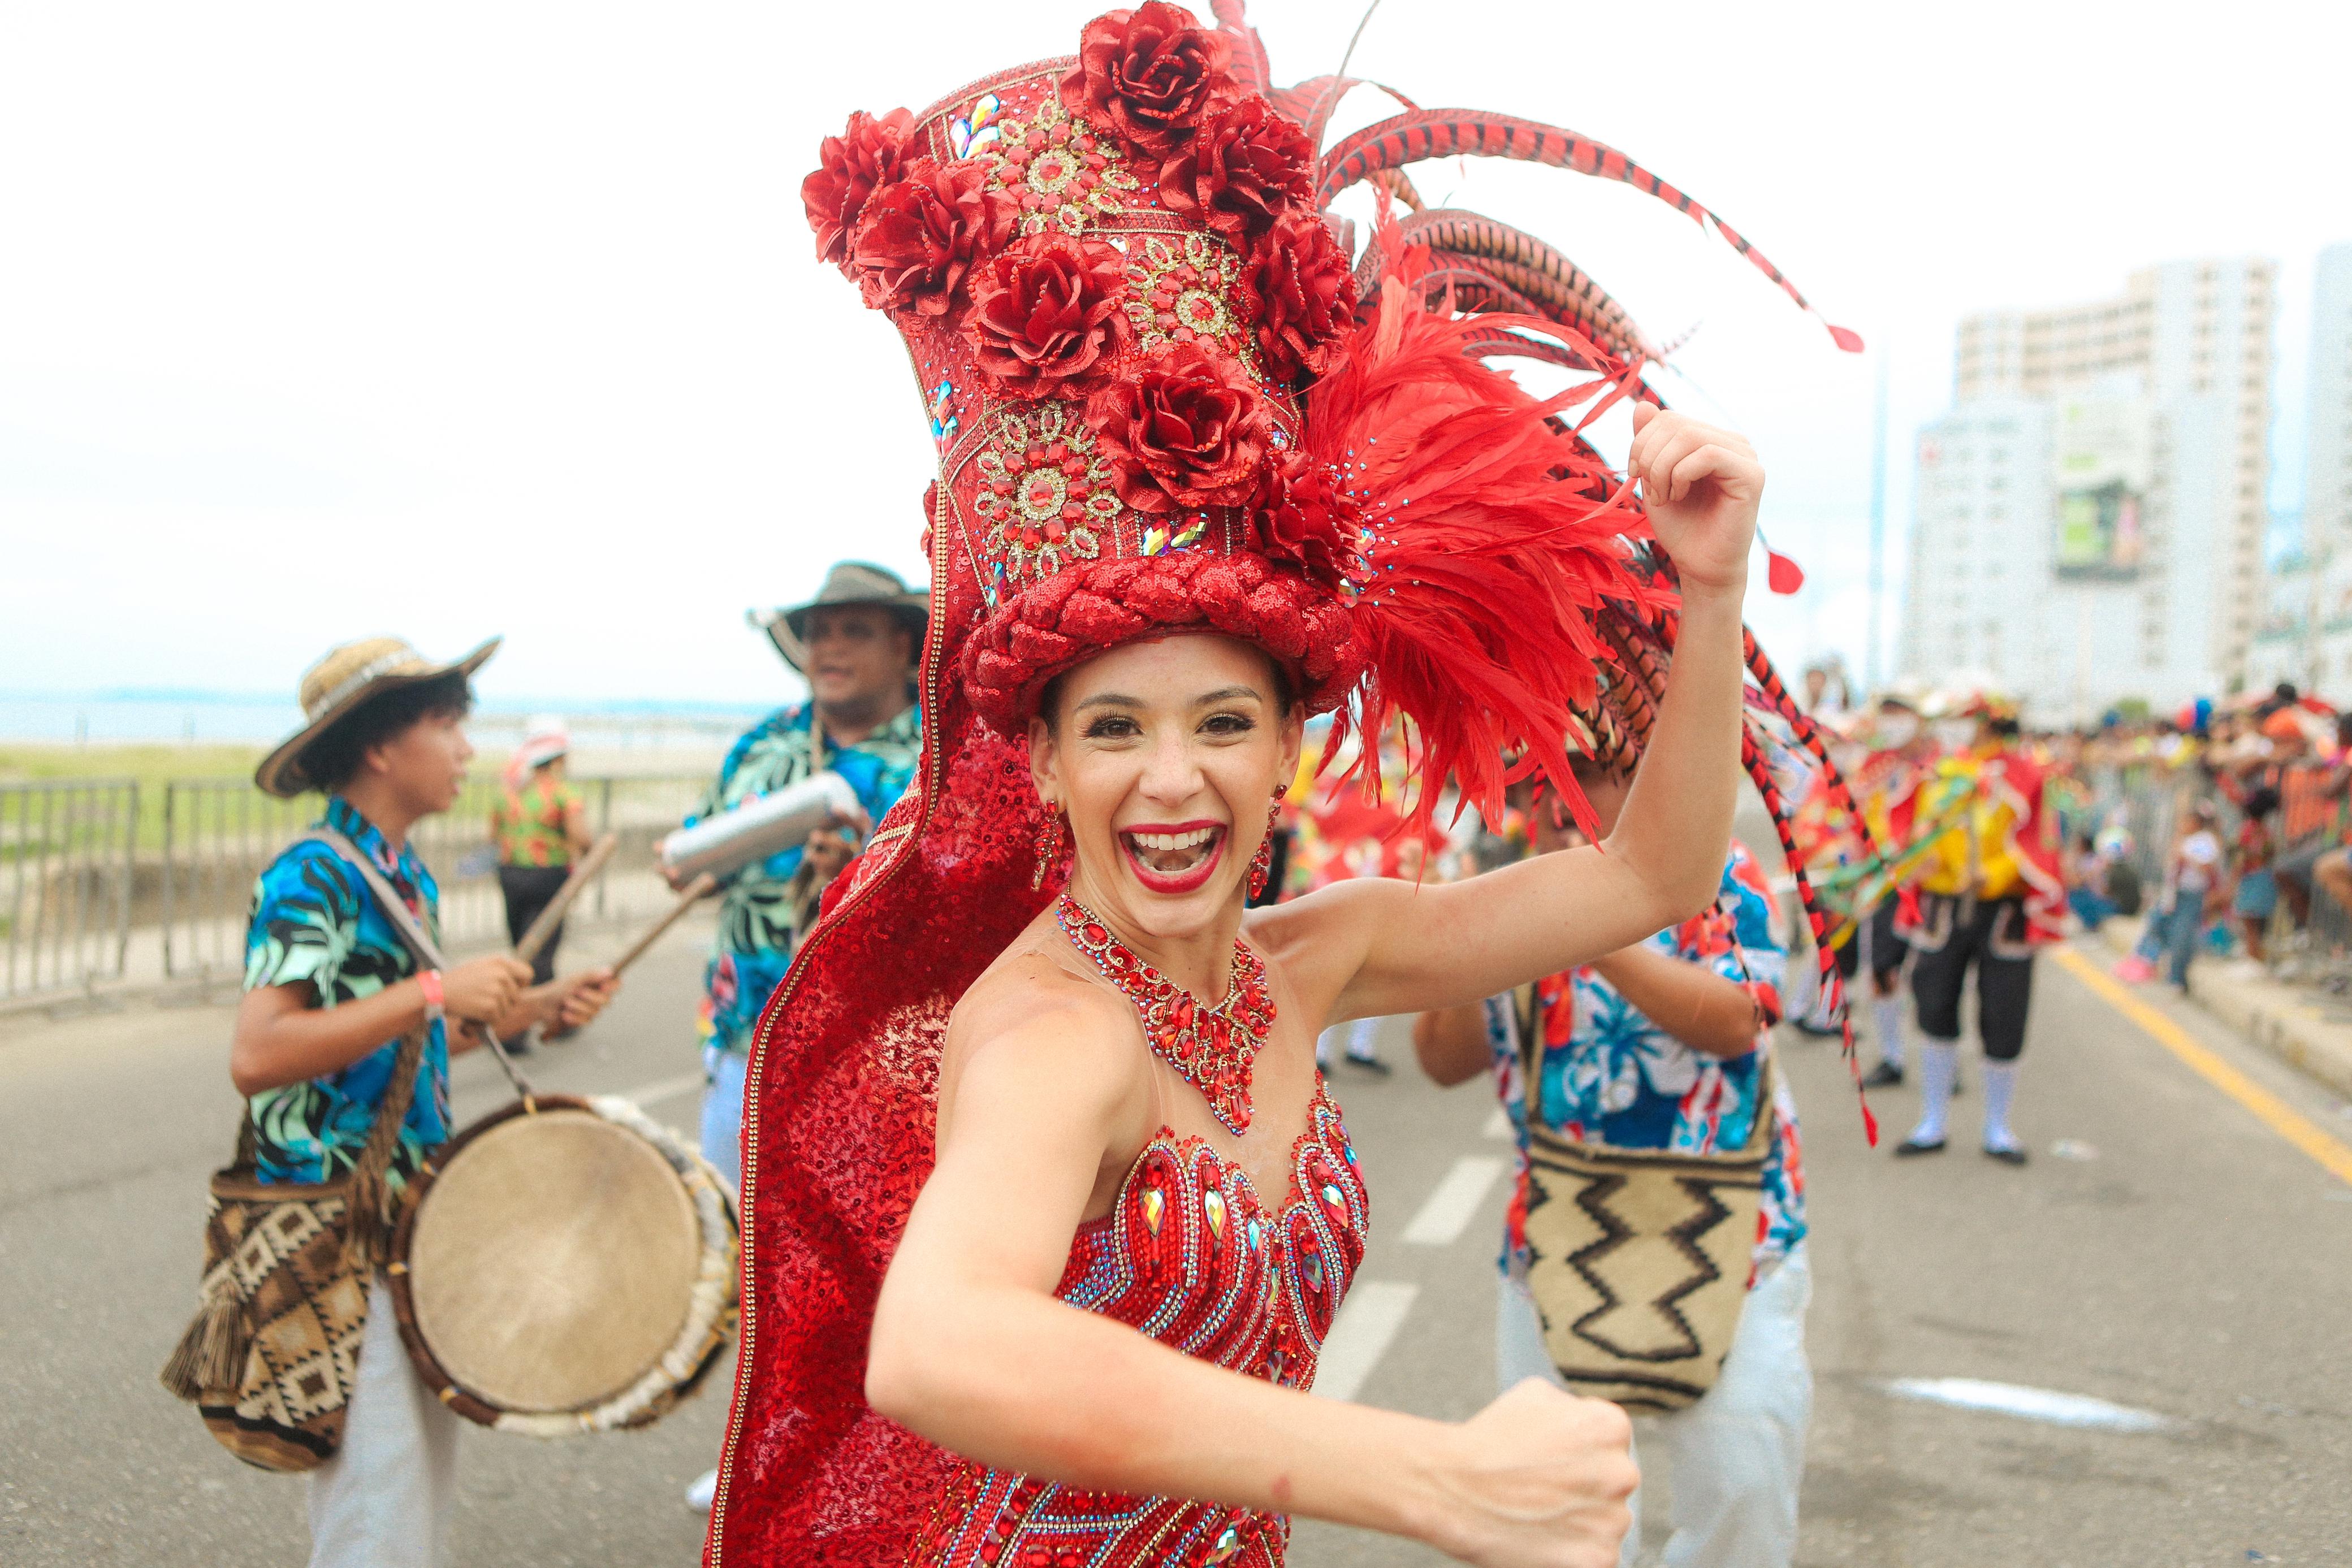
(2306, 630)
(2327, 483)
(2132, 554)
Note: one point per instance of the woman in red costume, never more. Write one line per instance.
(1047, 1211)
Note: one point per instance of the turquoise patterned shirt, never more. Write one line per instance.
(1606, 1072)
(314, 920)
(756, 914)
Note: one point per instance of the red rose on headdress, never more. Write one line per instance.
(866, 155)
(1187, 430)
(1048, 311)
(923, 235)
(1297, 286)
(1308, 518)
(1150, 75)
(1247, 166)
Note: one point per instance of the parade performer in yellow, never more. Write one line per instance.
(1984, 891)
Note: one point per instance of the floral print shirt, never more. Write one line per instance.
(314, 920)
(757, 914)
(1608, 1074)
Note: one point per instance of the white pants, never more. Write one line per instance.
(722, 1112)
(385, 1498)
(1738, 1454)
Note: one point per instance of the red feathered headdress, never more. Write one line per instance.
(1164, 398)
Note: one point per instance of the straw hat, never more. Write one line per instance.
(849, 582)
(340, 683)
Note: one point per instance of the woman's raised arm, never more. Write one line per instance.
(1392, 947)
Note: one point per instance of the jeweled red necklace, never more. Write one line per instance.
(1213, 1049)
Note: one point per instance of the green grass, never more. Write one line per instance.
(150, 763)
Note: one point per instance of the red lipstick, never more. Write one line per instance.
(1176, 885)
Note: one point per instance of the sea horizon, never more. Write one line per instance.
(201, 715)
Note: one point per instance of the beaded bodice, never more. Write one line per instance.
(1190, 1255)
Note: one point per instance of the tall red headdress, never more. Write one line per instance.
(1163, 400)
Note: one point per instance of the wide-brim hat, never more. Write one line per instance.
(849, 582)
(336, 685)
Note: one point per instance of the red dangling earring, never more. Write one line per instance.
(1050, 846)
(1262, 863)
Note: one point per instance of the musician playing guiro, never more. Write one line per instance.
(855, 644)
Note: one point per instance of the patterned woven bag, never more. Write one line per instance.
(271, 1356)
(1639, 1259)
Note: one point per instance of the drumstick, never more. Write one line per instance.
(687, 897)
(543, 928)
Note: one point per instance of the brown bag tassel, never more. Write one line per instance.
(367, 1219)
(210, 1358)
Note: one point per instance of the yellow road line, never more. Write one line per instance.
(2268, 1109)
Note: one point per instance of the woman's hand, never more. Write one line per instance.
(1701, 488)
(1538, 1479)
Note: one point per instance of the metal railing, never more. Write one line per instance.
(67, 852)
(85, 904)
(219, 834)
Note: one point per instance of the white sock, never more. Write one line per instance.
(1323, 1043)
(1939, 1063)
(1999, 1089)
(1887, 1015)
(1361, 1038)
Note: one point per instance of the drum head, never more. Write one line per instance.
(553, 1260)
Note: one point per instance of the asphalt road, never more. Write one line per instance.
(2187, 1262)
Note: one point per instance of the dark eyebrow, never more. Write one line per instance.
(1118, 699)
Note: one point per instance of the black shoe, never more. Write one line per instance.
(1916, 1145)
(1886, 1075)
(2008, 1154)
(1819, 1030)
(1372, 1064)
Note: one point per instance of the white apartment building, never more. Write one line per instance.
(2136, 570)
(2328, 483)
(2307, 633)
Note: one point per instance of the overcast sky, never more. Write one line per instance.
(318, 322)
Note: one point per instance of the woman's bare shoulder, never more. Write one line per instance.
(1037, 996)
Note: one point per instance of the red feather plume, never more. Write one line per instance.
(1485, 557)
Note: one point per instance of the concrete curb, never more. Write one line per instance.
(2274, 1016)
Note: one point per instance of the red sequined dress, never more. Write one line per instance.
(1192, 1256)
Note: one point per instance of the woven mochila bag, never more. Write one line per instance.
(1639, 1259)
(271, 1359)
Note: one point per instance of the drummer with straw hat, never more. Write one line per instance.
(330, 989)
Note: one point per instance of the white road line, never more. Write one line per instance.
(1497, 1125)
(2045, 1404)
(1369, 1319)
(662, 1089)
(1448, 1211)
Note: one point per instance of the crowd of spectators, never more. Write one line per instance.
(2227, 826)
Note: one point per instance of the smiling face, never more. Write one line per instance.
(1166, 754)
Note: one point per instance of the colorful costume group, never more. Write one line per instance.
(1958, 872)
(1163, 400)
